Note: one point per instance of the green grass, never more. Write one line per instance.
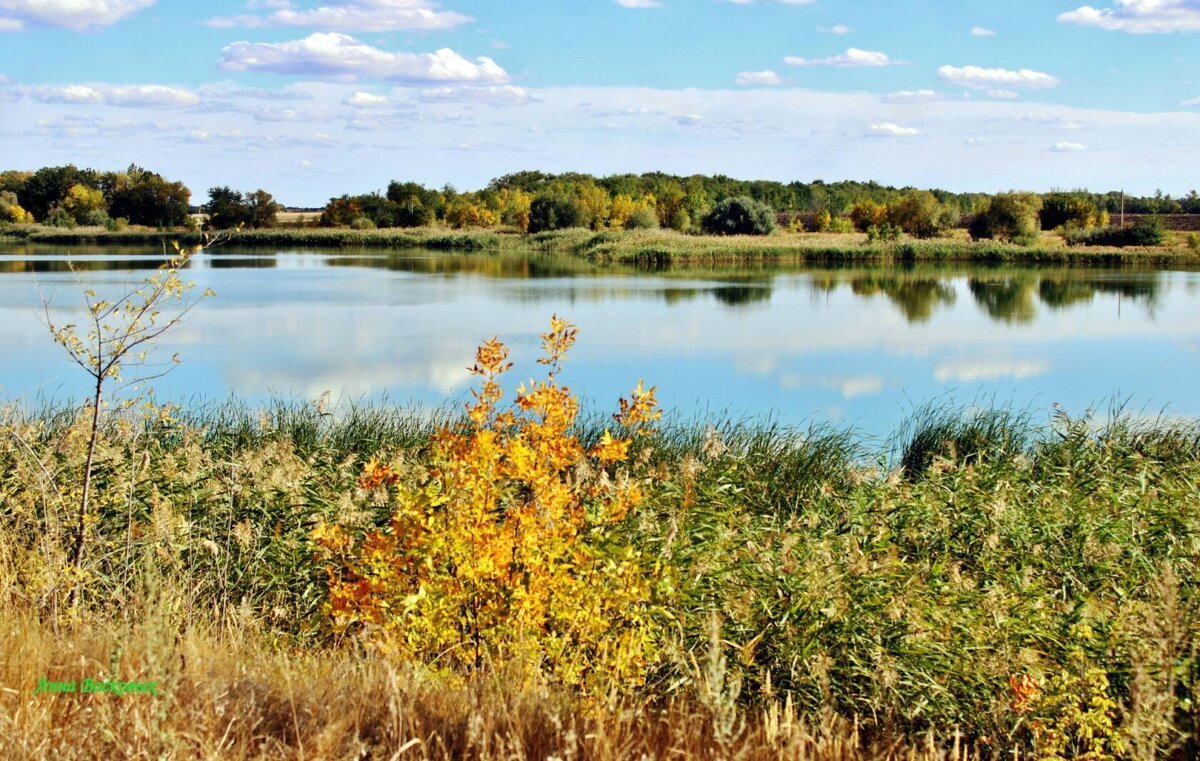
(899, 586)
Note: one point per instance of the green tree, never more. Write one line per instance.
(1068, 210)
(146, 198)
(226, 209)
(1008, 216)
(740, 216)
(261, 209)
(555, 211)
(920, 214)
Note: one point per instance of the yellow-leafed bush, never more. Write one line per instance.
(506, 552)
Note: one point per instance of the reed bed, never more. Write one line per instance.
(653, 248)
(824, 596)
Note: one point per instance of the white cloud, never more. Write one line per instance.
(1003, 94)
(887, 129)
(10, 96)
(689, 120)
(766, 77)
(1066, 147)
(4, 80)
(496, 95)
(78, 15)
(835, 29)
(639, 3)
(353, 16)
(911, 96)
(332, 54)
(125, 96)
(979, 31)
(1139, 16)
(851, 58)
(979, 77)
(1192, 102)
(366, 100)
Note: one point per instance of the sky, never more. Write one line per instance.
(311, 99)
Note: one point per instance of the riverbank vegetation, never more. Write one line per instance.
(294, 578)
(533, 202)
(650, 247)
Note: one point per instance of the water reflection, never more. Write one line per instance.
(856, 343)
(1007, 295)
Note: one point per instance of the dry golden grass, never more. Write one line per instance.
(228, 696)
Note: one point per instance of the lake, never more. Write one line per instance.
(857, 345)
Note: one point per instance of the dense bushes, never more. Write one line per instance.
(1008, 217)
(1144, 232)
(740, 216)
(554, 211)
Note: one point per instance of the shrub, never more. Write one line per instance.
(116, 225)
(642, 217)
(841, 225)
(887, 233)
(553, 211)
(681, 221)
(95, 218)
(1144, 232)
(1007, 216)
(922, 215)
(740, 216)
(362, 223)
(1193, 241)
(60, 217)
(821, 221)
(868, 214)
(506, 550)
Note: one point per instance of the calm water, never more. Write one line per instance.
(858, 345)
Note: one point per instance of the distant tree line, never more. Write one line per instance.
(65, 196)
(534, 201)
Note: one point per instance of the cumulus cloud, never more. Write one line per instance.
(333, 54)
(835, 29)
(639, 3)
(851, 58)
(1066, 147)
(990, 79)
(1192, 102)
(766, 77)
(125, 96)
(980, 31)
(887, 129)
(366, 100)
(78, 15)
(1139, 16)
(352, 16)
(9, 96)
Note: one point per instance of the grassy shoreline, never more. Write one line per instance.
(646, 247)
(895, 590)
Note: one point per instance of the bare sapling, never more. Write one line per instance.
(118, 336)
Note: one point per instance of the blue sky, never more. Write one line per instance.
(313, 98)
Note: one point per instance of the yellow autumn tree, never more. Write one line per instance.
(506, 551)
(620, 210)
(513, 206)
(465, 214)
